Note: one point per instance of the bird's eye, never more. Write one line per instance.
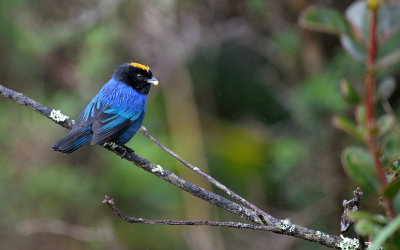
(140, 76)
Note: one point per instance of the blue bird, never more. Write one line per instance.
(115, 113)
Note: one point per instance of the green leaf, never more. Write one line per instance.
(375, 218)
(388, 19)
(347, 126)
(353, 48)
(366, 227)
(358, 15)
(386, 87)
(384, 124)
(361, 114)
(392, 189)
(391, 144)
(388, 60)
(348, 92)
(357, 163)
(323, 19)
(386, 232)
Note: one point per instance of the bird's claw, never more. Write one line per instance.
(114, 146)
(110, 144)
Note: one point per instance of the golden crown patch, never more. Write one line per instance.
(140, 66)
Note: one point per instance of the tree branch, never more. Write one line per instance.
(110, 202)
(210, 179)
(268, 223)
(54, 115)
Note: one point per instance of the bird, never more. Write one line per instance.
(116, 113)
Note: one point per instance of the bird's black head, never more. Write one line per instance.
(136, 75)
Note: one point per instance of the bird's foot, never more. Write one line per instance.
(114, 146)
(110, 144)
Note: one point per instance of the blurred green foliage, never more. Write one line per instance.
(264, 111)
(369, 29)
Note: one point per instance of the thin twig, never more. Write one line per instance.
(350, 206)
(128, 154)
(262, 214)
(110, 202)
(275, 225)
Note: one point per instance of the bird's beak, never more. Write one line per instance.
(153, 81)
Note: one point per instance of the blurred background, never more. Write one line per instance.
(244, 94)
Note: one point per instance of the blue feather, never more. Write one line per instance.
(114, 114)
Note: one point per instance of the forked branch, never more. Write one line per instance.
(262, 220)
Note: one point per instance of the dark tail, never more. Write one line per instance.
(73, 141)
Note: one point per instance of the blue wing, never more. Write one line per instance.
(88, 116)
(117, 108)
(111, 123)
